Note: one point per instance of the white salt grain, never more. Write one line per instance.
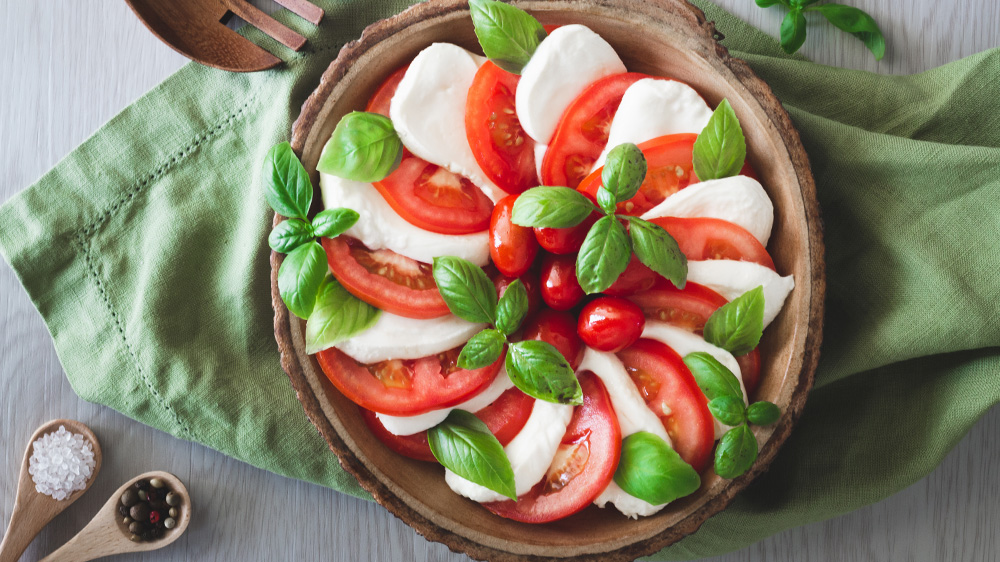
(61, 463)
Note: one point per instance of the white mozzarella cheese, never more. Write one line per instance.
(428, 111)
(740, 200)
(530, 452)
(627, 504)
(408, 425)
(380, 227)
(396, 337)
(539, 156)
(653, 108)
(567, 61)
(731, 278)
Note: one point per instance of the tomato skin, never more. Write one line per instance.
(565, 240)
(636, 277)
(560, 288)
(530, 282)
(750, 369)
(593, 443)
(381, 99)
(412, 446)
(512, 247)
(559, 329)
(610, 323)
(687, 308)
(710, 239)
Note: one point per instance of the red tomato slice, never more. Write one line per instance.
(379, 103)
(714, 239)
(406, 387)
(385, 279)
(503, 150)
(668, 386)
(584, 464)
(413, 446)
(750, 369)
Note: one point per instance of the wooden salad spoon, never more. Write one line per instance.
(106, 535)
(33, 509)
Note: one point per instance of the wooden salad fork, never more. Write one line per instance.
(194, 28)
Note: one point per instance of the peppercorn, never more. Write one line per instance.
(169, 522)
(173, 512)
(130, 497)
(156, 483)
(148, 535)
(123, 510)
(127, 521)
(136, 528)
(141, 485)
(143, 495)
(140, 512)
(173, 499)
(155, 516)
(134, 538)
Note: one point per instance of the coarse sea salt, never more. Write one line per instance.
(61, 463)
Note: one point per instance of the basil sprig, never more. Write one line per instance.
(720, 149)
(846, 18)
(364, 147)
(535, 367)
(737, 326)
(652, 471)
(507, 34)
(337, 316)
(465, 446)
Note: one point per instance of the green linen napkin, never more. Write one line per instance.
(145, 253)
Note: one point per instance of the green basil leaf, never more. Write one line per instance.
(364, 147)
(769, 3)
(539, 370)
(736, 452)
(465, 446)
(287, 187)
(603, 256)
(508, 35)
(800, 3)
(466, 289)
(713, 378)
(606, 201)
(728, 409)
(737, 326)
(300, 276)
(623, 172)
(337, 316)
(857, 23)
(290, 234)
(481, 350)
(652, 471)
(551, 207)
(763, 413)
(658, 250)
(720, 149)
(512, 308)
(792, 34)
(333, 222)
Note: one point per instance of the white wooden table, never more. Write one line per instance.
(67, 67)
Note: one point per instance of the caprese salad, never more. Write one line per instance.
(540, 270)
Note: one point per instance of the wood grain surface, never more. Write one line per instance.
(69, 67)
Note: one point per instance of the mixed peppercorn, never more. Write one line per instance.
(149, 508)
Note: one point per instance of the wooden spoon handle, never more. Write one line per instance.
(93, 541)
(26, 521)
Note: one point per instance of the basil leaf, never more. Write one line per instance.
(465, 446)
(792, 34)
(736, 452)
(551, 207)
(769, 3)
(512, 308)
(481, 350)
(737, 326)
(508, 35)
(606, 201)
(713, 378)
(728, 409)
(539, 370)
(720, 149)
(299, 278)
(857, 23)
(623, 172)
(763, 413)
(363, 147)
(466, 289)
(652, 471)
(290, 234)
(603, 256)
(286, 184)
(658, 250)
(333, 222)
(337, 316)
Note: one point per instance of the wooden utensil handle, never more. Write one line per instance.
(25, 522)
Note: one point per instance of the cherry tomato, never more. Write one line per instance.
(530, 282)
(583, 466)
(560, 288)
(565, 240)
(512, 247)
(636, 277)
(610, 323)
(750, 369)
(559, 329)
(714, 239)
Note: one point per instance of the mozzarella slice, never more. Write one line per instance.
(408, 425)
(652, 108)
(539, 156)
(567, 61)
(732, 278)
(740, 200)
(396, 337)
(530, 452)
(428, 111)
(380, 227)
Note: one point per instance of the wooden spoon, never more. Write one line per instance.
(32, 509)
(106, 535)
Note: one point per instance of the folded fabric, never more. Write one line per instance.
(145, 252)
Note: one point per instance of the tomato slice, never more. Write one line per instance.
(584, 464)
(413, 446)
(714, 239)
(668, 386)
(406, 387)
(503, 150)
(380, 100)
(583, 130)
(385, 279)
(750, 369)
